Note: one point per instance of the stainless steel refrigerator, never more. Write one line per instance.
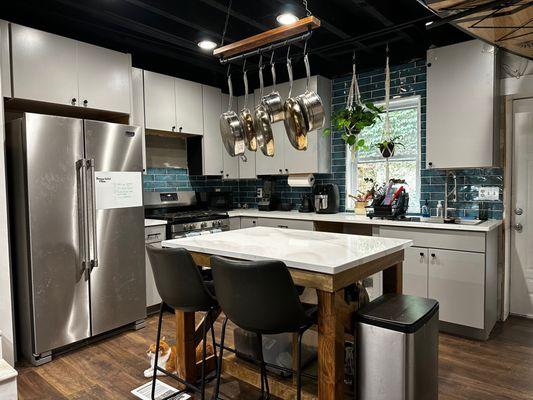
(77, 230)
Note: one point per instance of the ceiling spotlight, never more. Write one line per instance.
(207, 45)
(286, 18)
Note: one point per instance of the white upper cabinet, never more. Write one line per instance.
(4, 58)
(460, 106)
(288, 160)
(159, 102)
(247, 163)
(104, 78)
(231, 164)
(44, 66)
(189, 116)
(212, 146)
(58, 70)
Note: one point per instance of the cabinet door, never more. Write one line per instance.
(159, 102)
(247, 163)
(301, 161)
(247, 222)
(460, 102)
(457, 281)
(137, 106)
(272, 165)
(230, 164)
(286, 223)
(213, 147)
(44, 66)
(104, 79)
(415, 271)
(189, 108)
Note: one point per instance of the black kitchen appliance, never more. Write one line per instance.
(396, 210)
(269, 201)
(307, 204)
(326, 198)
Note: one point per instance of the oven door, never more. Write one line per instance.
(179, 235)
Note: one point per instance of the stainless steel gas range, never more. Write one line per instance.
(186, 214)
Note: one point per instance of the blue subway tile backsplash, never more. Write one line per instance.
(406, 80)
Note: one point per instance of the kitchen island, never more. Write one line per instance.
(327, 262)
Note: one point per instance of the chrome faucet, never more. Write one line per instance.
(448, 193)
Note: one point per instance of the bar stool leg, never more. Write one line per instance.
(299, 371)
(264, 378)
(219, 363)
(159, 324)
(204, 350)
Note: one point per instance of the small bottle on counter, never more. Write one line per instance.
(425, 212)
(440, 211)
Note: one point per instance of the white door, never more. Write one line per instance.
(302, 161)
(457, 281)
(159, 102)
(247, 163)
(44, 66)
(522, 210)
(415, 271)
(272, 165)
(104, 80)
(189, 109)
(212, 141)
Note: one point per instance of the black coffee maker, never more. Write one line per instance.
(326, 198)
(307, 204)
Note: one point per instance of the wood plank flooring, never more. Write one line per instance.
(499, 369)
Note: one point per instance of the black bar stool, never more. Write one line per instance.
(260, 297)
(181, 287)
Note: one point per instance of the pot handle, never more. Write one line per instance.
(273, 71)
(245, 77)
(289, 71)
(261, 81)
(230, 88)
(307, 71)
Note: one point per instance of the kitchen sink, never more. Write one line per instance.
(469, 222)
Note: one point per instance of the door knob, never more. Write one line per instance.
(518, 211)
(518, 227)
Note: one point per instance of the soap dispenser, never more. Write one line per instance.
(425, 212)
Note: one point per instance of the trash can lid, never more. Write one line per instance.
(402, 313)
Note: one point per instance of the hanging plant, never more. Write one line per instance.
(356, 116)
(388, 146)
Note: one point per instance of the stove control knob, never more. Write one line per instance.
(203, 225)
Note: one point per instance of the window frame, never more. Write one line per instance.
(395, 104)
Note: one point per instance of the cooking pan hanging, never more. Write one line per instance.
(272, 101)
(311, 103)
(247, 118)
(294, 121)
(262, 127)
(231, 127)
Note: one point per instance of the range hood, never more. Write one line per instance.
(506, 24)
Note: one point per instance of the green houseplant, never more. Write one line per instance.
(352, 120)
(388, 146)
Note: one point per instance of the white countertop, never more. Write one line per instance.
(323, 252)
(351, 218)
(154, 222)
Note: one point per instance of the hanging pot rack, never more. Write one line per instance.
(268, 41)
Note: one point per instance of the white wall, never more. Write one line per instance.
(6, 314)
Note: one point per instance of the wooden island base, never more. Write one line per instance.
(332, 321)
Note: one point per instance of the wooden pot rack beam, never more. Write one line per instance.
(507, 24)
(267, 38)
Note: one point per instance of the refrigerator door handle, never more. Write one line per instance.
(81, 166)
(94, 261)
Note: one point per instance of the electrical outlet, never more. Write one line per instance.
(259, 192)
(489, 193)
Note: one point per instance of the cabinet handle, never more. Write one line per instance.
(280, 170)
(227, 175)
(421, 254)
(73, 101)
(173, 128)
(430, 164)
(222, 172)
(181, 128)
(433, 255)
(253, 222)
(85, 102)
(286, 170)
(283, 226)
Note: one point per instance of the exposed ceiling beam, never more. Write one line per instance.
(175, 18)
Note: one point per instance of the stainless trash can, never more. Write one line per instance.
(397, 349)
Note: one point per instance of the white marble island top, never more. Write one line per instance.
(324, 252)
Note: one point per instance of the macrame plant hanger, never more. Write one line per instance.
(354, 97)
(386, 123)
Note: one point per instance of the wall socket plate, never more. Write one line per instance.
(489, 193)
(259, 192)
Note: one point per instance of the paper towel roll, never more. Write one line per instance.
(301, 180)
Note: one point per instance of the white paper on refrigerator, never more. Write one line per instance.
(118, 190)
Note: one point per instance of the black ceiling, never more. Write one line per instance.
(162, 35)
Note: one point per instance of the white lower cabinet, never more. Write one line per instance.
(415, 271)
(249, 222)
(153, 235)
(457, 281)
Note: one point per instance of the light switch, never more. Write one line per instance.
(489, 193)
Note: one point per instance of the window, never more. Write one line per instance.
(405, 122)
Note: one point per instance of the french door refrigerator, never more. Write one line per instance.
(77, 230)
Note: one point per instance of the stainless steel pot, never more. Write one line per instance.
(262, 127)
(247, 120)
(231, 128)
(272, 101)
(311, 104)
(294, 120)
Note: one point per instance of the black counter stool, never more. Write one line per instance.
(181, 287)
(260, 297)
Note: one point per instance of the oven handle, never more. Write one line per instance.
(94, 261)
